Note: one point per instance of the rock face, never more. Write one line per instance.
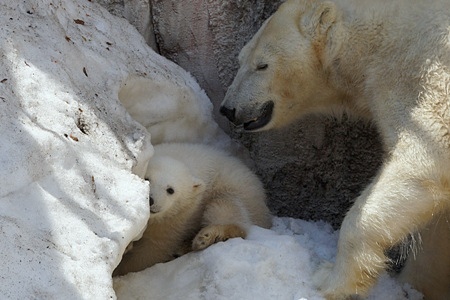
(205, 37)
(137, 12)
(71, 156)
(312, 170)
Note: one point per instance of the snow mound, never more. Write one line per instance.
(269, 264)
(71, 156)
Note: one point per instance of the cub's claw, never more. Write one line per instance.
(212, 234)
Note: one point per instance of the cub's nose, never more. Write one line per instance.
(152, 201)
(229, 113)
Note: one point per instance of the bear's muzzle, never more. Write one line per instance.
(250, 121)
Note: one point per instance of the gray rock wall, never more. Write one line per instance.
(313, 169)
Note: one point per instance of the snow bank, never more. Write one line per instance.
(69, 201)
(269, 264)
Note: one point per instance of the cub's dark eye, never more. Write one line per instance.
(170, 191)
(147, 179)
(261, 67)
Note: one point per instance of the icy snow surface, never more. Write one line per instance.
(71, 198)
(269, 264)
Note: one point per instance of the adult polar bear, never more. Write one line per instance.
(385, 60)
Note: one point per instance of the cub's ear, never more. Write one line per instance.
(198, 185)
(318, 20)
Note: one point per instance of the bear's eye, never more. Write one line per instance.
(261, 67)
(170, 191)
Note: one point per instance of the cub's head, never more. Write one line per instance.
(172, 186)
(282, 73)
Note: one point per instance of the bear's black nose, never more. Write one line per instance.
(229, 113)
(151, 201)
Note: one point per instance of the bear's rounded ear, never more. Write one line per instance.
(318, 20)
(198, 185)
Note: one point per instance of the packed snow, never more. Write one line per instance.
(81, 94)
(269, 264)
(70, 200)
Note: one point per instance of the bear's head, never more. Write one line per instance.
(172, 186)
(283, 71)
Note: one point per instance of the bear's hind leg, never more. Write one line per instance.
(428, 268)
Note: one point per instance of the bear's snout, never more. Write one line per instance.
(229, 113)
(154, 208)
(250, 119)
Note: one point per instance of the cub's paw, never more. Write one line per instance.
(216, 233)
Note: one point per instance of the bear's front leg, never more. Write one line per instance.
(216, 233)
(397, 203)
(224, 218)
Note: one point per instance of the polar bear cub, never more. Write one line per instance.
(198, 196)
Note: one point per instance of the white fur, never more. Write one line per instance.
(388, 61)
(200, 196)
(169, 112)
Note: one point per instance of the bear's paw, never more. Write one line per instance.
(212, 234)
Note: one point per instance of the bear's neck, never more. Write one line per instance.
(359, 43)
